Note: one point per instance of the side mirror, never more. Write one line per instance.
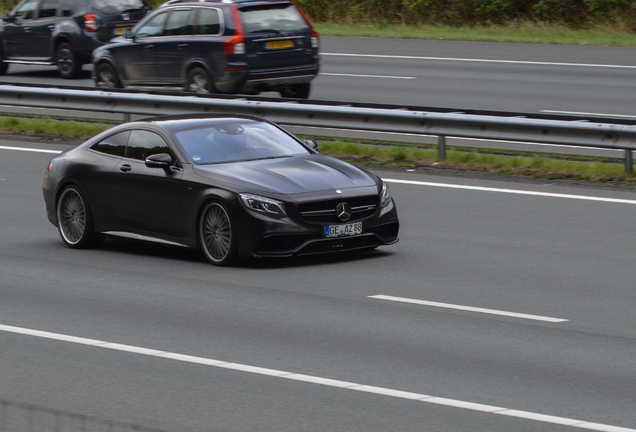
(8, 18)
(128, 34)
(160, 160)
(312, 144)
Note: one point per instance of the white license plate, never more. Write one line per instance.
(343, 230)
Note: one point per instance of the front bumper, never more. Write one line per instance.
(263, 236)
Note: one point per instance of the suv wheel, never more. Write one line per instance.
(298, 91)
(199, 81)
(67, 63)
(105, 76)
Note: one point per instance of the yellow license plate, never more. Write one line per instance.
(120, 30)
(279, 44)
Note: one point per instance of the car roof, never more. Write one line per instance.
(176, 2)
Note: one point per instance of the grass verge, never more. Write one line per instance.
(381, 153)
(539, 33)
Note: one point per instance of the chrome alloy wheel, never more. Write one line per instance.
(65, 61)
(71, 216)
(199, 84)
(216, 234)
(106, 79)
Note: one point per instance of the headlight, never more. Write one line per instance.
(385, 195)
(263, 205)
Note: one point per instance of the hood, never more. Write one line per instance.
(288, 176)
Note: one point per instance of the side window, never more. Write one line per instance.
(177, 24)
(145, 143)
(207, 22)
(113, 145)
(49, 8)
(68, 7)
(25, 10)
(154, 27)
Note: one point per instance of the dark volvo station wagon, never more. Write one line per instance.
(215, 46)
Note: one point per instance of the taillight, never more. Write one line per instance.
(315, 39)
(90, 23)
(236, 44)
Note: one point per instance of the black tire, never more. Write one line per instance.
(74, 220)
(68, 65)
(298, 91)
(217, 234)
(199, 81)
(106, 76)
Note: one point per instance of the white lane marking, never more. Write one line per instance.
(525, 62)
(589, 114)
(468, 308)
(368, 76)
(318, 380)
(512, 191)
(30, 150)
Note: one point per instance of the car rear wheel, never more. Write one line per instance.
(217, 235)
(298, 91)
(67, 63)
(74, 220)
(199, 81)
(106, 77)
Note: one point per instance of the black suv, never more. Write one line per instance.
(224, 46)
(64, 33)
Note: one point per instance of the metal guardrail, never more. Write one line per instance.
(563, 131)
(22, 417)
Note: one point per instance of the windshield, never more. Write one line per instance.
(277, 18)
(238, 141)
(117, 6)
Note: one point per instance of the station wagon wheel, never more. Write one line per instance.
(199, 81)
(74, 220)
(216, 234)
(106, 77)
(67, 63)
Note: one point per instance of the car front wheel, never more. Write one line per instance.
(199, 81)
(68, 64)
(106, 77)
(217, 235)
(74, 220)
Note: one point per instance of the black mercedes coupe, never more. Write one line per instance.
(233, 186)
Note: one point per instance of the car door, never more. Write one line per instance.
(42, 28)
(18, 30)
(148, 199)
(173, 47)
(137, 59)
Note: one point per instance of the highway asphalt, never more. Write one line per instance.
(474, 254)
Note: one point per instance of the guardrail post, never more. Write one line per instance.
(441, 147)
(126, 118)
(629, 161)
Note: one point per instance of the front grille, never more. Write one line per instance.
(325, 211)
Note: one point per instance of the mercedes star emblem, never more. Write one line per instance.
(343, 211)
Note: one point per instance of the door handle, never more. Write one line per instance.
(27, 29)
(125, 168)
(182, 46)
(148, 47)
(51, 26)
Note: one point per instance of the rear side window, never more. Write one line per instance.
(117, 6)
(177, 24)
(207, 22)
(145, 143)
(49, 8)
(266, 18)
(114, 145)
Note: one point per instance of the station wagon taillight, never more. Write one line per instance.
(90, 23)
(236, 44)
(315, 39)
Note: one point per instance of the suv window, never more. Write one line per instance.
(272, 17)
(114, 145)
(116, 6)
(208, 22)
(153, 27)
(68, 7)
(145, 143)
(49, 8)
(177, 23)
(26, 10)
